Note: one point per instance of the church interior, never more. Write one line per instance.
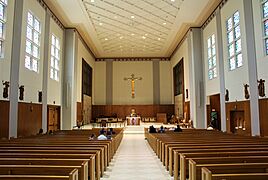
(124, 89)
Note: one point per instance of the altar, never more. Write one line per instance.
(133, 120)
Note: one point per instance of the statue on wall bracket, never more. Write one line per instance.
(5, 89)
(226, 95)
(261, 87)
(246, 91)
(21, 94)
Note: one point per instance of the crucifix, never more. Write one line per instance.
(133, 79)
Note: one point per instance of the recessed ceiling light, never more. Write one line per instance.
(132, 17)
(132, 34)
(106, 39)
(173, 0)
(164, 23)
(143, 37)
(92, 0)
(100, 24)
(159, 39)
(121, 37)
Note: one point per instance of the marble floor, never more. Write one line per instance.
(135, 160)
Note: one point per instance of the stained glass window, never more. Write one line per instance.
(264, 6)
(238, 45)
(33, 34)
(237, 32)
(232, 63)
(239, 60)
(55, 58)
(234, 43)
(212, 70)
(265, 9)
(3, 18)
(266, 45)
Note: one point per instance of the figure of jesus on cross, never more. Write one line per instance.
(133, 79)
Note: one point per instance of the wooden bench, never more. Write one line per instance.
(54, 149)
(83, 163)
(93, 173)
(73, 175)
(208, 175)
(226, 163)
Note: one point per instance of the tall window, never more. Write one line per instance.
(212, 70)
(3, 18)
(234, 41)
(33, 38)
(264, 5)
(55, 58)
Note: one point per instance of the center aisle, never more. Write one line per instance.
(135, 160)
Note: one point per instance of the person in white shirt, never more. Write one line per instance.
(102, 137)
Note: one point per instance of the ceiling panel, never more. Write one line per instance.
(131, 28)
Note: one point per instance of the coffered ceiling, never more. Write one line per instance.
(132, 28)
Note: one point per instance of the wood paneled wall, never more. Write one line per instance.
(29, 119)
(187, 110)
(124, 110)
(235, 109)
(263, 108)
(4, 119)
(79, 114)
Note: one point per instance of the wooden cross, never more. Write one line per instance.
(133, 79)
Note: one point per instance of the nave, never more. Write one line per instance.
(135, 160)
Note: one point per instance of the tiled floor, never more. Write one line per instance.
(135, 160)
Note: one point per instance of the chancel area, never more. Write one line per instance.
(124, 89)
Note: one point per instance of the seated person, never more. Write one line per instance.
(102, 131)
(152, 129)
(92, 137)
(41, 131)
(102, 136)
(111, 131)
(178, 129)
(162, 129)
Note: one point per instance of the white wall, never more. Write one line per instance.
(54, 90)
(235, 79)
(82, 52)
(143, 88)
(166, 95)
(182, 52)
(32, 81)
(262, 58)
(213, 85)
(6, 59)
(100, 83)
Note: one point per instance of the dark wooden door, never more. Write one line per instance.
(53, 118)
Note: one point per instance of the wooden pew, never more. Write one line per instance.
(208, 175)
(93, 174)
(168, 146)
(83, 163)
(42, 170)
(64, 145)
(43, 148)
(227, 164)
(73, 175)
(183, 164)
